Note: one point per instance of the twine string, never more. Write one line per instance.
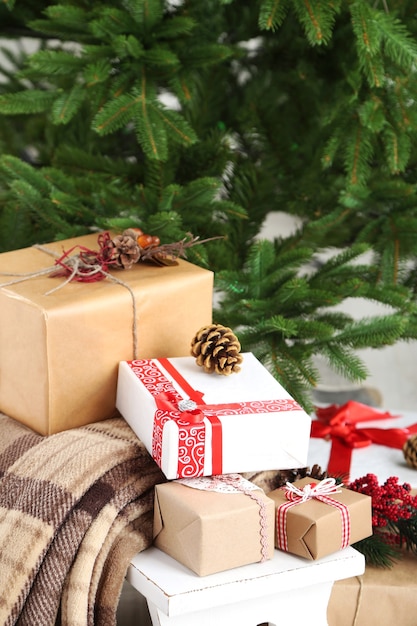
(20, 278)
(134, 310)
(38, 246)
(75, 264)
(326, 487)
(359, 600)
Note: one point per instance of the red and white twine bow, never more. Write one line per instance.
(311, 490)
(319, 491)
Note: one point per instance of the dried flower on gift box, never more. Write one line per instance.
(217, 349)
(394, 519)
(116, 252)
(134, 245)
(123, 250)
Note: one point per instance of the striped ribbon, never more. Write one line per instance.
(319, 491)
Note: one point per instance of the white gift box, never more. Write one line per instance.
(245, 422)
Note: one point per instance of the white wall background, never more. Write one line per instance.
(25, 44)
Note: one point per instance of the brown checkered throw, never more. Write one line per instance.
(74, 509)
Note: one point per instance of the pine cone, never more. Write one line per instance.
(269, 480)
(124, 249)
(217, 349)
(410, 451)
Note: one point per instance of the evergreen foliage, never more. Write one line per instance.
(287, 316)
(378, 552)
(203, 117)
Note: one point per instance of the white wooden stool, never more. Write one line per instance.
(287, 590)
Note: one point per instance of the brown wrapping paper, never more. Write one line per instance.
(381, 597)
(210, 532)
(59, 353)
(314, 529)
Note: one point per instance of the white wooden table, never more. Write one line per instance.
(287, 590)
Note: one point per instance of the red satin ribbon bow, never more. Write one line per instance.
(166, 401)
(339, 424)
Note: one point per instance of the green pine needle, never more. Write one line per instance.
(302, 109)
(25, 102)
(272, 13)
(377, 552)
(67, 105)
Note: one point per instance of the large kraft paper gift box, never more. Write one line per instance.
(243, 422)
(59, 353)
(317, 518)
(380, 597)
(210, 525)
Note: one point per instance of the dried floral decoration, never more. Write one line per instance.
(121, 252)
(217, 349)
(134, 245)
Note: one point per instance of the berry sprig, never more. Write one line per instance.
(390, 501)
(394, 519)
(144, 240)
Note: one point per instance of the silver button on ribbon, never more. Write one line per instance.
(187, 405)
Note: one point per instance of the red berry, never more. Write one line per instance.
(144, 240)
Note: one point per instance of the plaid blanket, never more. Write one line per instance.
(74, 508)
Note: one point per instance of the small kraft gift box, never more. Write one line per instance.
(200, 424)
(61, 343)
(316, 518)
(212, 524)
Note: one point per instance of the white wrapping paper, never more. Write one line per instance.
(263, 428)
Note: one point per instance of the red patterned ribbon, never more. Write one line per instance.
(216, 425)
(196, 396)
(318, 491)
(339, 424)
(191, 426)
(191, 423)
